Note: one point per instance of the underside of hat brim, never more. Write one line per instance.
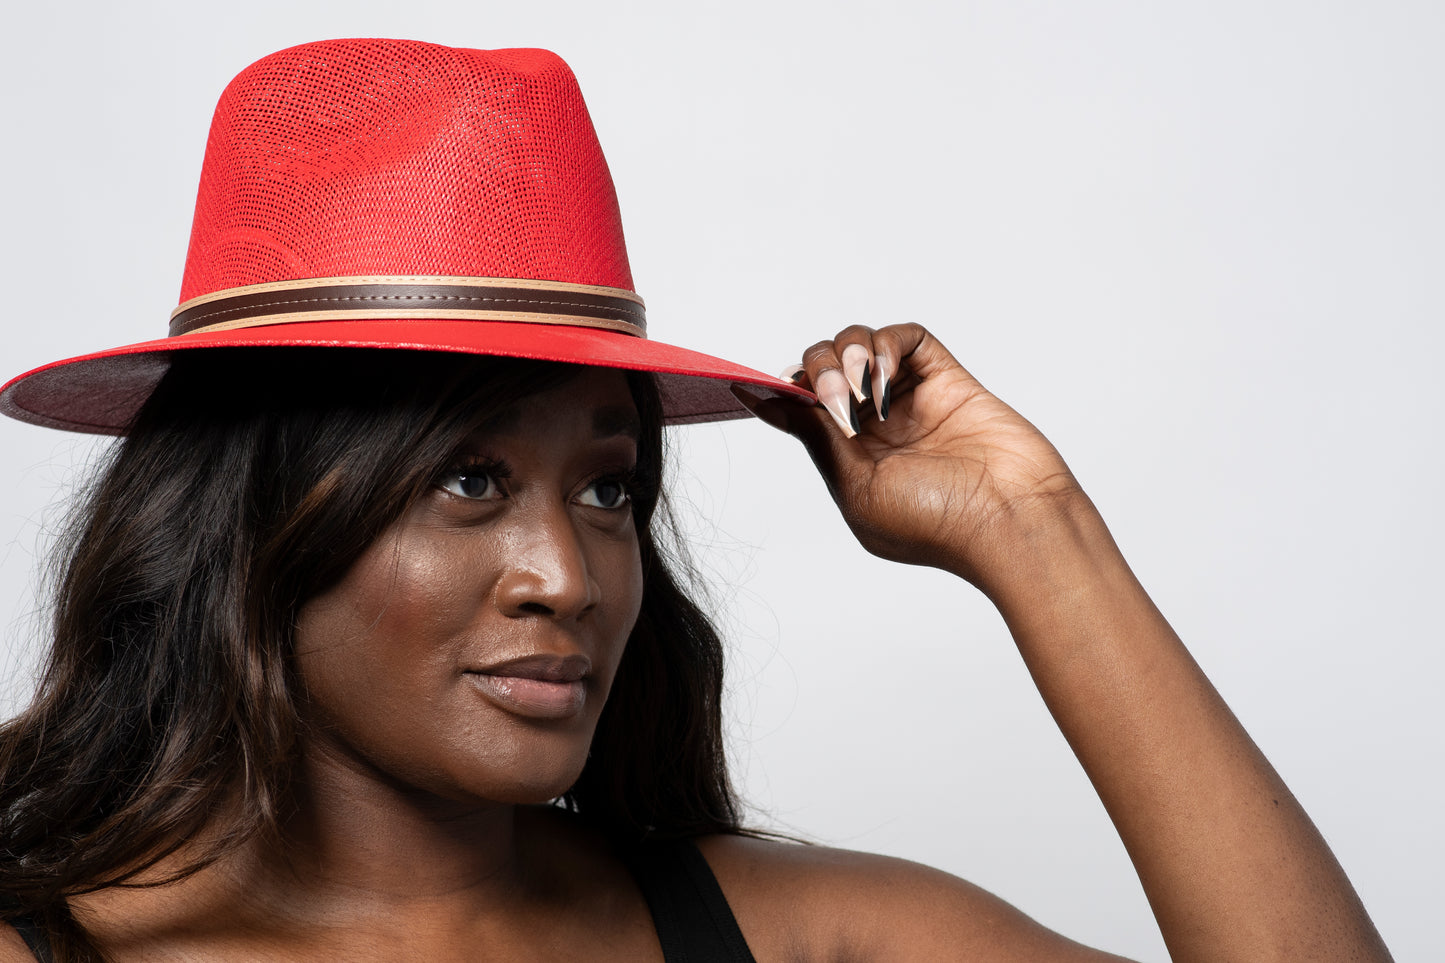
(100, 393)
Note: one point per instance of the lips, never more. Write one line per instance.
(535, 687)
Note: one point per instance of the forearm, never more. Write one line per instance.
(1231, 864)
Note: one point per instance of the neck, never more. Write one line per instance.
(359, 853)
(359, 835)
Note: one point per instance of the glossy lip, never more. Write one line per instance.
(535, 686)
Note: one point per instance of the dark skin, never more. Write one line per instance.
(415, 840)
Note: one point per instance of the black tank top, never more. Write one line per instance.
(694, 922)
(35, 937)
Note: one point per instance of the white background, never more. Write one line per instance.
(1198, 243)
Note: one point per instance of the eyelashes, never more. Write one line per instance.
(607, 492)
(476, 479)
(484, 479)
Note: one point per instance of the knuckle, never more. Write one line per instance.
(820, 354)
(902, 337)
(855, 332)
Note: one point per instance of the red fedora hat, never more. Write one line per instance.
(395, 194)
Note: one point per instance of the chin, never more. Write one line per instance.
(538, 777)
(532, 791)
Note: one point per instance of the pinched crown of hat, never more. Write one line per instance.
(386, 193)
(387, 158)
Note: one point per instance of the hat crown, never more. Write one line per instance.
(385, 158)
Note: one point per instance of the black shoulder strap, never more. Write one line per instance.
(694, 922)
(34, 938)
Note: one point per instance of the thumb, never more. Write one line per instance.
(770, 411)
(839, 459)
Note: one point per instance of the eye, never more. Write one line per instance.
(610, 493)
(475, 481)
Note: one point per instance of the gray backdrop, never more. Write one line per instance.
(1199, 244)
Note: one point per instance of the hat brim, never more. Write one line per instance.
(101, 392)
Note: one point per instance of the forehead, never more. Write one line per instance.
(594, 402)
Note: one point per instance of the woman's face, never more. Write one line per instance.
(469, 650)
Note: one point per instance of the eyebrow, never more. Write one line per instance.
(617, 420)
(607, 422)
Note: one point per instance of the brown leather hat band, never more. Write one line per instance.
(496, 299)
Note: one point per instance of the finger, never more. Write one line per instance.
(911, 345)
(793, 373)
(854, 347)
(857, 368)
(824, 369)
(767, 410)
(842, 464)
(837, 457)
(859, 360)
(808, 424)
(851, 351)
(874, 366)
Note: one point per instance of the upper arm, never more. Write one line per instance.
(812, 902)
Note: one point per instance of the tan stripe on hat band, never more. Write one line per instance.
(384, 298)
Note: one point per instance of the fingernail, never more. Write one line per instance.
(791, 373)
(832, 390)
(881, 379)
(855, 366)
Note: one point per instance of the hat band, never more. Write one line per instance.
(387, 298)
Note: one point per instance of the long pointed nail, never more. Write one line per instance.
(832, 390)
(855, 366)
(790, 373)
(881, 393)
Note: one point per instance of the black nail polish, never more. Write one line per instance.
(868, 381)
(853, 416)
(883, 410)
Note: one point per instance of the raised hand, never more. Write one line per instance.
(953, 477)
(947, 476)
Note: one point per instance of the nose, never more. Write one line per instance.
(546, 572)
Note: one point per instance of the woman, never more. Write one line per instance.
(375, 577)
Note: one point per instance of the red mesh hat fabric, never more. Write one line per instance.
(387, 157)
(392, 159)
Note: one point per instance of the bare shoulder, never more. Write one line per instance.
(12, 947)
(798, 902)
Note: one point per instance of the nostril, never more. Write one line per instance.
(550, 588)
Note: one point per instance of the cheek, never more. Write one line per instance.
(382, 638)
(622, 587)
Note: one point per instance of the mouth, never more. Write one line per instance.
(535, 687)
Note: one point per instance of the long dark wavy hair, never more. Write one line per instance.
(249, 483)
